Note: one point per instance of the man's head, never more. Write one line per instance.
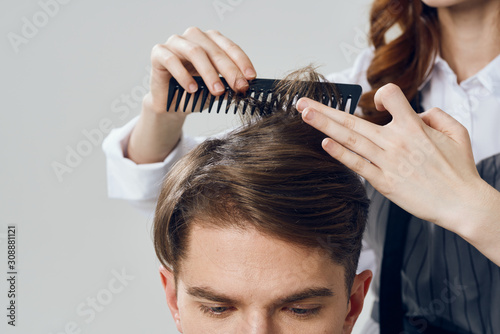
(260, 231)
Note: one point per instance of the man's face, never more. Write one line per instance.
(242, 281)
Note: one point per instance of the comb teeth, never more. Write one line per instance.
(261, 89)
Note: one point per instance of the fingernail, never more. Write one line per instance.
(218, 87)
(308, 114)
(326, 143)
(302, 104)
(241, 83)
(250, 73)
(193, 88)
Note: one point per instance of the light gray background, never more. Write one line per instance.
(65, 80)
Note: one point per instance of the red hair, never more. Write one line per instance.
(405, 61)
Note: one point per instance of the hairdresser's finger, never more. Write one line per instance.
(391, 98)
(219, 59)
(238, 56)
(439, 120)
(352, 160)
(197, 56)
(165, 65)
(354, 123)
(349, 138)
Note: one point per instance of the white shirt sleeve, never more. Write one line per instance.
(138, 183)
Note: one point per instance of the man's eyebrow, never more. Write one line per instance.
(209, 294)
(306, 294)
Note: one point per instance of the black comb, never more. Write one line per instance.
(261, 89)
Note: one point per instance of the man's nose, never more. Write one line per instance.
(258, 322)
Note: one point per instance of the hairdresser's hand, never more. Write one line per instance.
(423, 163)
(206, 54)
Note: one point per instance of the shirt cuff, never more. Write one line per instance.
(136, 182)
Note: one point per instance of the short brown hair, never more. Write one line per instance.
(271, 174)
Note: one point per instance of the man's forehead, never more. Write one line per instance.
(254, 248)
(233, 259)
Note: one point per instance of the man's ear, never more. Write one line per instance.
(168, 282)
(358, 292)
